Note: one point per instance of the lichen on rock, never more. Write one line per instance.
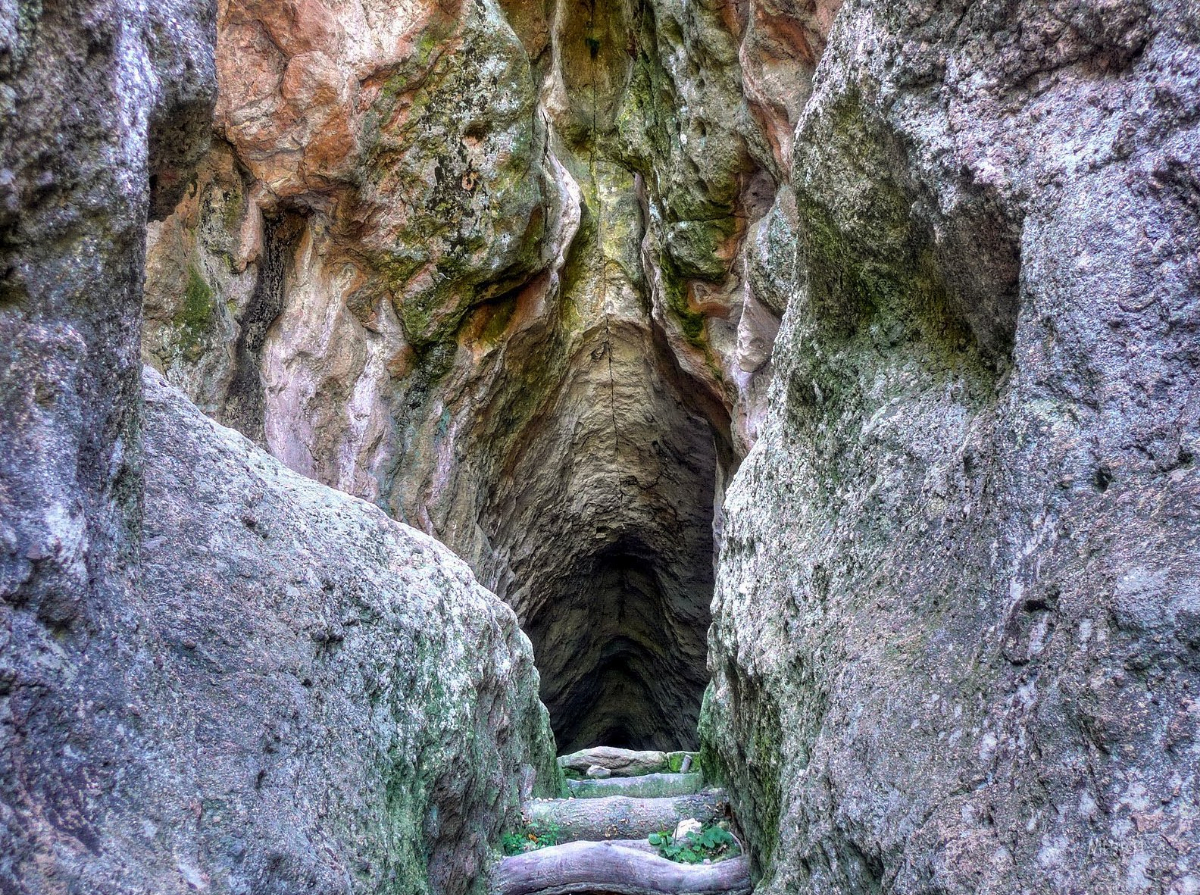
(918, 656)
(344, 680)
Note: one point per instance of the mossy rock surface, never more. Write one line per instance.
(645, 786)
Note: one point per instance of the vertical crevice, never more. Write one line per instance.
(593, 45)
(245, 408)
(603, 517)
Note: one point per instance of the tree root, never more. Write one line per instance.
(619, 817)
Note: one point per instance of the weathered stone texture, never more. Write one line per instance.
(105, 108)
(214, 674)
(319, 678)
(955, 638)
(528, 262)
(510, 306)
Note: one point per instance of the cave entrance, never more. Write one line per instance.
(621, 648)
(607, 525)
(603, 520)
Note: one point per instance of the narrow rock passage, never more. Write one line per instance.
(502, 299)
(604, 846)
(626, 458)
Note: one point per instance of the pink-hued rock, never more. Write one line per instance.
(782, 41)
(471, 264)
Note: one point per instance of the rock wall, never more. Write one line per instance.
(955, 640)
(535, 277)
(328, 700)
(519, 297)
(106, 108)
(214, 674)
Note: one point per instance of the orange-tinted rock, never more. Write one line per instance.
(502, 287)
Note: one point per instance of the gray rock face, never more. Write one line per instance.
(86, 90)
(955, 645)
(105, 108)
(317, 677)
(234, 680)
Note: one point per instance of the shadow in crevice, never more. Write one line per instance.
(621, 649)
(245, 408)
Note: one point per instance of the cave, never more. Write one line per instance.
(607, 520)
(603, 510)
(618, 653)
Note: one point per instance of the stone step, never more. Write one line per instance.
(585, 867)
(626, 762)
(647, 786)
(622, 817)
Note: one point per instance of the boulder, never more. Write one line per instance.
(299, 669)
(316, 672)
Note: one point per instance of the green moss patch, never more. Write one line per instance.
(195, 319)
(676, 291)
(530, 837)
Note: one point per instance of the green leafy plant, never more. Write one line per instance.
(530, 837)
(512, 843)
(711, 843)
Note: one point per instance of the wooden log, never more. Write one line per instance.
(635, 844)
(620, 817)
(647, 786)
(621, 762)
(580, 867)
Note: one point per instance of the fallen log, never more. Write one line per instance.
(635, 844)
(620, 817)
(647, 786)
(620, 762)
(580, 867)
